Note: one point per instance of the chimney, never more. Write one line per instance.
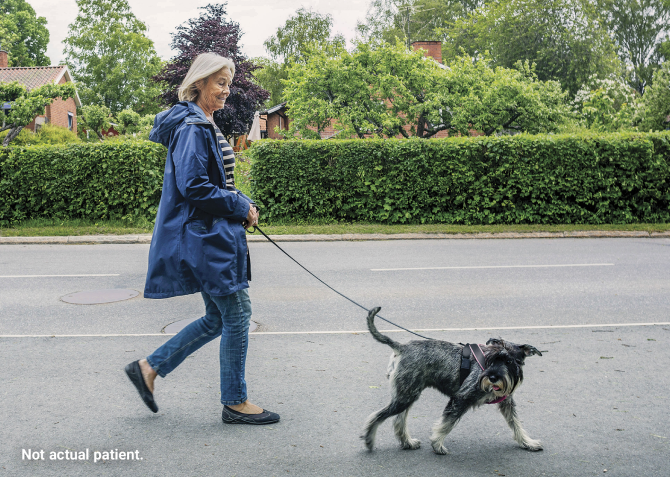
(4, 59)
(433, 49)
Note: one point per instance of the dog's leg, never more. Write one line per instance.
(401, 432)
(375, 419)
(508, 410)
(450, 417)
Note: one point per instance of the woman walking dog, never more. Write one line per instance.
(199, 242)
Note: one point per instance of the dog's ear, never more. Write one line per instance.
(529, 350)
(495, 342)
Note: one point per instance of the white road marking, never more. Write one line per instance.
(425, 330)
(495, 266)
(60, 276)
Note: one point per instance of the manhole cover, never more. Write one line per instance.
(177, 326)
(96, 297)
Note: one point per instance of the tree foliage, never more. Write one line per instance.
(413, 20)
(384, 90)
(111, 58)
(292, 43)
(654, 112)
(96, 118)
(638, 28)
(212, 32)
(128, 121)
(563, 38)
(25, 105)
(269, 76)
(23, 34)
(606, 105)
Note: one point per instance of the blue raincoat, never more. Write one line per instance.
(199, 242)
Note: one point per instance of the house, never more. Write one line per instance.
(276, 117)
(60, 112)
(273, 118)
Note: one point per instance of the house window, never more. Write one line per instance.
(70, 120)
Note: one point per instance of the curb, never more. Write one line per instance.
(146, 238)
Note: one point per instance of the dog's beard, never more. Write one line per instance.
(505, 386)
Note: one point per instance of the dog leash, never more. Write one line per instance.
(324, 283)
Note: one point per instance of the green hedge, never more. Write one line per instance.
(617, 178)
(524, 179)
(94, 181)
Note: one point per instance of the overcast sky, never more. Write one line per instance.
(258, 19)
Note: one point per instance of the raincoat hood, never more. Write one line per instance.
(166, 121)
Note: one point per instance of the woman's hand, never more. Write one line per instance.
(252, 217)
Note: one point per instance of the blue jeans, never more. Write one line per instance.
(227, 317)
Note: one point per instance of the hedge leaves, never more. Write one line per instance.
(96, 181)
(523, 179)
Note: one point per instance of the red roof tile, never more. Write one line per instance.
(32, 77)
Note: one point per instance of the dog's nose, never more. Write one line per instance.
(493, 378)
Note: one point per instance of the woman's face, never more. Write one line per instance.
(214, 91)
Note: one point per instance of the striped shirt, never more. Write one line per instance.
(228, 160)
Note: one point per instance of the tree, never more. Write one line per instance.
(292, 43)
(270, 76)
(128, 121)
(638, 28)
(654, 111)
(563, 38)
(413, 20)
(387, 90)
(212, 32)
(25, 105)
(96, 118)
(111, 58)
(23, 34)
(606, 104)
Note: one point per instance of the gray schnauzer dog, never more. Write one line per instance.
(417, 365)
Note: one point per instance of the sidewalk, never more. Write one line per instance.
(146, 238)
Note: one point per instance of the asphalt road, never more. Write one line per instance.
(596, 399)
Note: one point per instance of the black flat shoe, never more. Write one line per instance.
(230, 416)
(135, 375)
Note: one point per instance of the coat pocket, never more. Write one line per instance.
(197, 226)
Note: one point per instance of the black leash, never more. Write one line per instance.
(253, 230)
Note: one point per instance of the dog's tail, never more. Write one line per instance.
(376, 334)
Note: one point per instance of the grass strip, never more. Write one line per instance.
(75, 227)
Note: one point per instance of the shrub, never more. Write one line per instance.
(523, 179)
(128, 121)
(121, 180)
(25, 137)
(48, 134)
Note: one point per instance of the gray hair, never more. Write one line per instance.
(205, 65)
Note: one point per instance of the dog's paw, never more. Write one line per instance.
(411, 444)
(369, 443)
(532, 445)
(439, 448)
